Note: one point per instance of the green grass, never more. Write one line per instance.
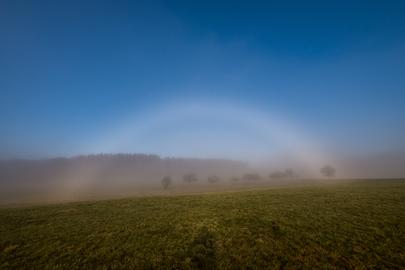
(348, 225)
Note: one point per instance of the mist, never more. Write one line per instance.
(263, 92)
(205, 138)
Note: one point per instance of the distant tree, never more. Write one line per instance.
(166, 182)
(286, 174)
(251, 177)
(289, 173)
(328, 171)
(277, 175)
(213, 179)
(190, 178)
(235, 179)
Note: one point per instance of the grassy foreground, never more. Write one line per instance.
(347, 225)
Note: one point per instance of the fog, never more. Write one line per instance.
(103, 176)
(205, 139)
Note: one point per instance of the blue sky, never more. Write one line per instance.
(73, 72)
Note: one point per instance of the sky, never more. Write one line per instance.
(202, 78)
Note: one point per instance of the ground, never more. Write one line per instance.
(347, 225)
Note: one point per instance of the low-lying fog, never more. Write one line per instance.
(210, 144)
(115, 175)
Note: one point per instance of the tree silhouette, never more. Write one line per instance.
(213, 179)
(286, 174)
(166, 182)
(328, 171)
(277, 175)
(251, 177)
(190, 178)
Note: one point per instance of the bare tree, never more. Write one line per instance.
(166, 182)
(190, 178)
(328, 171)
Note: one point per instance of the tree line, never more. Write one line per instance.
(327, 171)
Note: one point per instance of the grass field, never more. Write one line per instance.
(359, 224)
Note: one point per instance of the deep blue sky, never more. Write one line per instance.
(71, 70)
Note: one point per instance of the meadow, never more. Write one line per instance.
(340, 225)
